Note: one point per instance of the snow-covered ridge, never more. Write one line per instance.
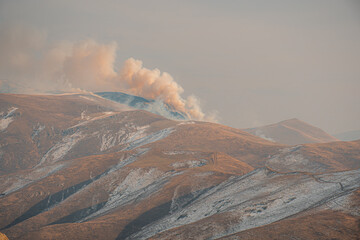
(154, 106)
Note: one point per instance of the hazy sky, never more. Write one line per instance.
(255, 62)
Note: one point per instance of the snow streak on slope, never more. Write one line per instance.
(138, 185)
(60, 149)
(125, 135)
(7, 118)
(18, 181)
(150, 138)
(37, 130)
(258, 198)
(89, 119)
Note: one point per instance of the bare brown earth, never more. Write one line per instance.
(99, 170)
(292, 132)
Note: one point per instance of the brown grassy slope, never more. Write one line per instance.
(21, 148)
(59, 116)
(345, 153)
(75, 171)
(212, 137)
(111, 224)
(321, 225)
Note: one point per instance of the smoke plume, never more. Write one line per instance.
(31, 65)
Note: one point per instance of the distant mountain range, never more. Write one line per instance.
(292, 132)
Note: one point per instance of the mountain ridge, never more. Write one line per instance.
(292, 131)
(151, 105)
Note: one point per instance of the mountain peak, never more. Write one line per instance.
(292, 131)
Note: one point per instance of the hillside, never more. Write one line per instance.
(292, 132)
(80, 166)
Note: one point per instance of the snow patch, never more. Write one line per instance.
(178, 152)
(186, 122)
(190, 164)
(84, 116)
(107, 141)
(137, 134)
(37, 130)
(125, 135)
(7, 119)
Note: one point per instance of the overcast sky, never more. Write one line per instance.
(255, 62)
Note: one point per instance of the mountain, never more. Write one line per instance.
(292, 132)
(79, 166)
(348, 136)
(154, 106)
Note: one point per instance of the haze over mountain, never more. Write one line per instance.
(348, 136)
(79, 166)
(292, 132)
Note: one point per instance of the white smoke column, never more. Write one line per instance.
(90, 65)
(152, 84)
(193, 108)
(26, 59)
